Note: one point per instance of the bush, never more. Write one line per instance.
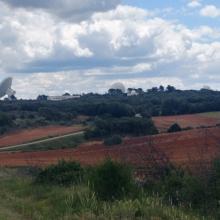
(113, 140)
(122, 126)
(182, 189)
(5, 120)
(174, 128)
(63, 173)
(111, 180)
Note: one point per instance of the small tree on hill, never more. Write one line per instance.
(174, 128)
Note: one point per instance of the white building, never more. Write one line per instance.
(62, 98)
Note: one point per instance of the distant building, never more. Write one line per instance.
(62, 98)
(206, 87)
(132, 92)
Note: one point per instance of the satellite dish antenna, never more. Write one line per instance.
(5, 88)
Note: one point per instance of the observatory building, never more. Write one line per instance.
(63, 97)
(118, 86)
(5, 88)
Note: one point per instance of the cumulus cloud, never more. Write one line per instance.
(194, 4)
(128, 44)
(210, 11)
(68, 9)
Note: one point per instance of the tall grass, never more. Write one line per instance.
(18, 195)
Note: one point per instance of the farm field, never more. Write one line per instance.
(28, 135)
(211, 114)
(187, 121)
(188, 148)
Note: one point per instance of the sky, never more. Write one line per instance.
(56, 46)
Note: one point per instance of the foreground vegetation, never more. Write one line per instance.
(69, 191)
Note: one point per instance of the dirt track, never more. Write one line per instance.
(185, 148)
(28, 135)
(193, 121)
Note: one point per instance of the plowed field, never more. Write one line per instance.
(187, 148)
(27, 135)
(193, 121)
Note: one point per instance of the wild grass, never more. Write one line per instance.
(211, 114)
(21, 199)
(61, 143)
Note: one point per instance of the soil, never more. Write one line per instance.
(194, 149)
(28, 135)
(185, 121)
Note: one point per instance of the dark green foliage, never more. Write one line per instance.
(64, 173)
(111, 180)
(114, 109)
(155, 102)
(182, 188)
(5, 120)
(174, 128)
(113, 140)
(123, 126)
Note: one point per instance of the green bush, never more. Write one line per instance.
(182, 189)
(122, 126)
(113, 140)
(174, 128)
(63, 173)
(111, 180)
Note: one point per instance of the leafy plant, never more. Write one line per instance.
(111, 180)
(63, 173)
(113, 140)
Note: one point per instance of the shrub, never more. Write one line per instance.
(111, 180)
(63, 173)
(182, 189)
(113, 140)
(174, 128)
(122, 126)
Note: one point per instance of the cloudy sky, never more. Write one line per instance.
(53, 46)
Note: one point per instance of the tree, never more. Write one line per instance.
(113, 140)
(174, 128)
(161, 88)
(171, 88)
(42, 98)
(111, 180)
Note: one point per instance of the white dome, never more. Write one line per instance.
(119, 86)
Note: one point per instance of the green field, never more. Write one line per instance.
(61, 143)
(21, 199)
(211, 114)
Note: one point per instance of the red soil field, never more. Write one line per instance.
(188, 148)
(194, 121)
(27, 135)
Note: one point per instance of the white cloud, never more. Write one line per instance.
(68, 9)
(210, 11)
(125, 44)
(194, 4)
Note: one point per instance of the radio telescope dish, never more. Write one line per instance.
(5, 88)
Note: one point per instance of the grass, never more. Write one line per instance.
(61, 143)
(211, 114)
(20, 199)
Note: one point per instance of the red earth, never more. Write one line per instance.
(191, 148)
(193, 121)
(27, 135)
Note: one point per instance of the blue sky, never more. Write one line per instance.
(190, 17)
(53, 46)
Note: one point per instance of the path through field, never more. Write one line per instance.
(40, 141)
(188, 148)
(35, 134)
